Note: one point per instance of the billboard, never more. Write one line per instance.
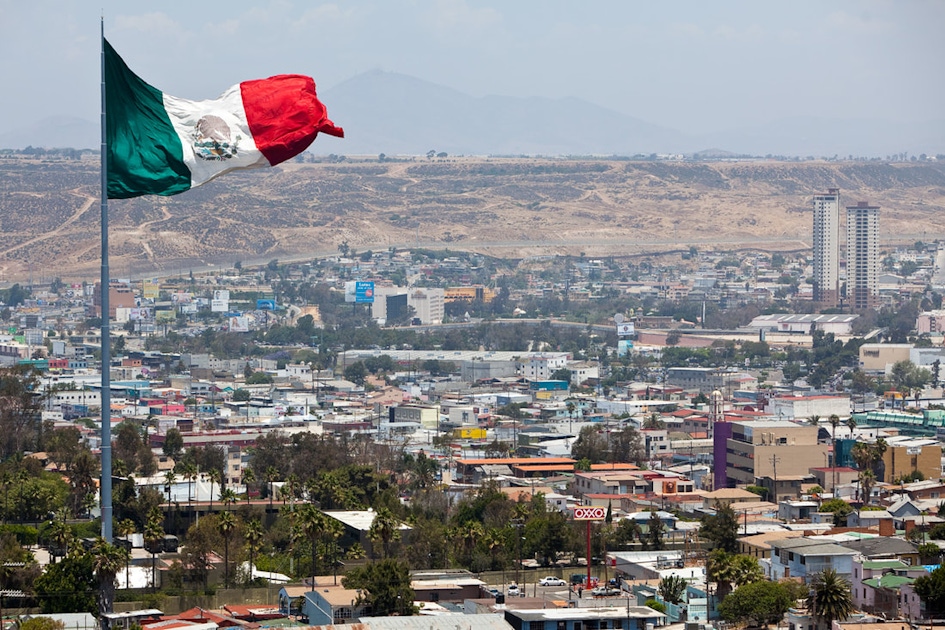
(589, 513)
(221, 294)
(219, 306)
(150, 289)
(625, 328)
(239, 324)
(265, 305)
(359, 292)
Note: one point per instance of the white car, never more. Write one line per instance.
(551, 581)
(513, 591)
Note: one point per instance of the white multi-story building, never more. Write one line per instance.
(827, 247)
(862, 255)
(540, 367)
(390, 303)
(427, 304)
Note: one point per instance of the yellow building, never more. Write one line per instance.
(905, 456)
(469, 294)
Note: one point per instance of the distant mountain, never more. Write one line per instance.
(386, 112)
(394, 113)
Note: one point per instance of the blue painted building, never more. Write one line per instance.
(609, 618)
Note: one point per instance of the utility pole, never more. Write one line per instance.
(775, 460)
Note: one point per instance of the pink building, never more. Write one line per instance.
(877, 585)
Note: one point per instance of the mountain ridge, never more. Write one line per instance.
(398, 114)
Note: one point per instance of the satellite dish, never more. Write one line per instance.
(618, 318)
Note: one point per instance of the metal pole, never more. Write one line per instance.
(588, 554)
(106, 482)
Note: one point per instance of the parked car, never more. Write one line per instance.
(605, 591)
(494, 591)
(513, 590)
(551, 581)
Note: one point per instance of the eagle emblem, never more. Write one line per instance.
(213, 140)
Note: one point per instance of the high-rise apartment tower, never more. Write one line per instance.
(862, 255)
(827, 248)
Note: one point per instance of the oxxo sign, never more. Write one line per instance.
(589, 513)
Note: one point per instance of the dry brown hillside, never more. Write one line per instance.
(509, 207)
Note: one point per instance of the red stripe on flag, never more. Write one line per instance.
(285, 115)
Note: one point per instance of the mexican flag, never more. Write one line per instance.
(163, 145)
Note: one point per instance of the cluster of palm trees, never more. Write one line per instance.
(867, 456)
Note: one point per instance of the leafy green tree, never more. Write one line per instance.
(830, 598)
(259, 378)
(721, 528)
(356, 373)
(591, 444)
(20, 426)
(173, 443)
(385, 587)
(656, 605)
(654, 532)
(931, 590)
(929, 552)
(64, 587)
(758, 603)
(561, 374)
(840, 509)
(241, 395)
(42, 623)
(672, 589)
(201, 539)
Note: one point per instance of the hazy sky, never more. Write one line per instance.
(691, 65)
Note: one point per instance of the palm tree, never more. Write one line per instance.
(170, 478)
(312, 524)
(226, 523)
(814, 420)
(333, 531)
(745, 570)
(867, 479)
(249, 478)
(227, 497)
(720, 570)
(830, 598)
(126, 527)
(190, 474)
(851, 424)
(271, 475)
(253, 537)
(107, 560)
(60, 533)
(384, 529)
(153, 539)
(293, 486)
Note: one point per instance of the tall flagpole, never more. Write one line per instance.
(105, 488)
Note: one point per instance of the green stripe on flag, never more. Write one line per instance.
(145, 156)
